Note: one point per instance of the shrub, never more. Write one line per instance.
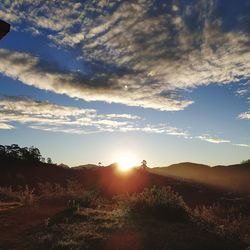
(23, 195)
(50, 190)
(8, 195)
(157, 203)
(227, 220)
(89, 199)
(75, 188)
(26, 196)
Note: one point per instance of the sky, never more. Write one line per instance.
(91, 81)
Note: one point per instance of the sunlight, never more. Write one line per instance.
(126, 162)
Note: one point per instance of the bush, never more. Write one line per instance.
(155, 203)
(73, 189)
(227, 220)
(8, 195)
(23, 195)
(26, 196)
(90, 199)
(50, 190)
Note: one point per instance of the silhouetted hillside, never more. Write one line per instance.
(234, 177)
(109, 181)
(197, 183)
(22, 173)
(88, 166)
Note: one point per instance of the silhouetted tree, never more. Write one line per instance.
(10, 153)
(49, 161)
(25, 153)
(99, 164)
(246, 162)
(2, 152)
(144, 164)
(35, 154)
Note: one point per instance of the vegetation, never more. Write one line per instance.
(153, 218)
(89, 199)
(246, 162)
(24, 195)
(227, 220)
(14, 153)
(73, 189)
(155, 203)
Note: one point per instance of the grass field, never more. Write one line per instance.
(152, 219)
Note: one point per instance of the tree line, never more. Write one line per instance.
(15, 153)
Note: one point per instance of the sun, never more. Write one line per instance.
(126, 161)
(126, 164)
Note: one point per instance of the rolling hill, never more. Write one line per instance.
(198, 184)
(233, 177)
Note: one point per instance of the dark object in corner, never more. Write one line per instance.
(4, 28)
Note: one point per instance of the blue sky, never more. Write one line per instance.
(89, 81)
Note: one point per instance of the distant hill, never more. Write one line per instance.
(235, 177)
(86, 166)
(31, 173)
(198, 184)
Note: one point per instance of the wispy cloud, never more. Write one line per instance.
(212, 139)
(5, 126)
(46, 116)
(140, 53)
(241, 92)
(245, 115)
(242, 145)
(56, 118)
(49, 116)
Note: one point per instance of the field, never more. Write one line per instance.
(72, 217)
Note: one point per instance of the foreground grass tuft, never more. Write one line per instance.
(155, 203)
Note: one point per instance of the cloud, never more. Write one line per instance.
(46, 116)
(51, 117)
(242, 145)
(245, 115)
(5, 126)
(241, 92)
(212, 140)
(31, 71)
(144, 53)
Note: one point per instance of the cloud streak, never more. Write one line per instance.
(212, 139)
(46, 116)
(66, 119)
(242, 145)
(245, 115)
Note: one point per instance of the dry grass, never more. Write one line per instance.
(73, 189)
(23, 195)
(233, 221)
(153, 219)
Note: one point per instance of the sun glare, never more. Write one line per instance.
(126, 162)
